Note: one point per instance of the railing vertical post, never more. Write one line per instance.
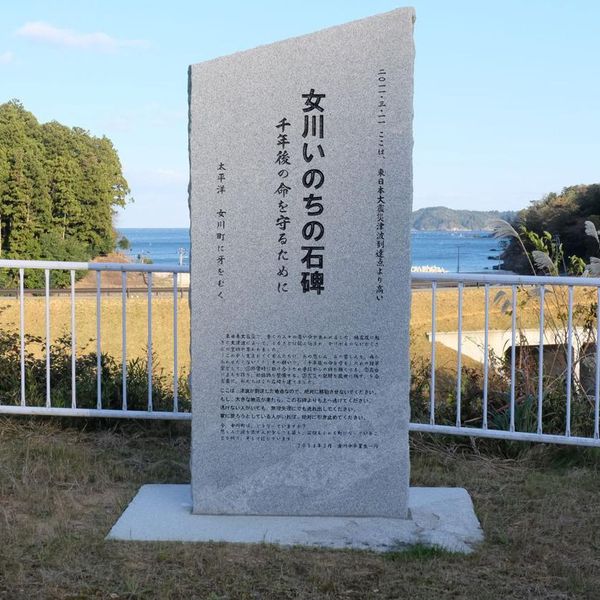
(597, 385)
(459, 359)
(98, 339)
(175, 346)
(513, 353)
(432, 379)
(124, 336)
(486, 351)
(22, 331)
(47, 306)
(73, 345)
(569, 361)
(540, 406)
(150, 342)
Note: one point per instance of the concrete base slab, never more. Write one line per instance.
(441, 517)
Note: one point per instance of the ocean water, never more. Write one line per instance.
(465, 251)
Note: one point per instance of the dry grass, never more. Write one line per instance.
(162, 322)
(111, 319)
(63, 487)
(473, 316)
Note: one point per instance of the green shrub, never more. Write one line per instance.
(85, 377)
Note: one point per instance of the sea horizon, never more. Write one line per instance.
(465, 251)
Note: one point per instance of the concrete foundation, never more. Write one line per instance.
(440, 517)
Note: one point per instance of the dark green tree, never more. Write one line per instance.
(59, 188)
(563, 216)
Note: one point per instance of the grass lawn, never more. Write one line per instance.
(63, 486)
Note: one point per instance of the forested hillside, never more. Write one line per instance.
(440, 218)
(59, 187)
(563, 216)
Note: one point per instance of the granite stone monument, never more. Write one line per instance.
(300, 198)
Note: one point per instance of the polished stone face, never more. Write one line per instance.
(300, 199)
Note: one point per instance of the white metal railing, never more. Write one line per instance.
(558, 328)
(99, 409)
(441, 412)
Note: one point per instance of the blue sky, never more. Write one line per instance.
(507, 94)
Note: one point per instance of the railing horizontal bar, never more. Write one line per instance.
(475, 278)
(138, 268)
(91, 266)
(506, 279)
(518, 436)
(183, 289)
(88, 290)
(186, 416)
(93, 412)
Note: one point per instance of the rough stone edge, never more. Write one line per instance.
(440, 517)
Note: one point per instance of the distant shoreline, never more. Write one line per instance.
(465, 250)
(413, 230)
(452, 230)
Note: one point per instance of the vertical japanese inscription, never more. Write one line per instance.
(282, 161)
(220, 229)
(313, 277)
(381, 173)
